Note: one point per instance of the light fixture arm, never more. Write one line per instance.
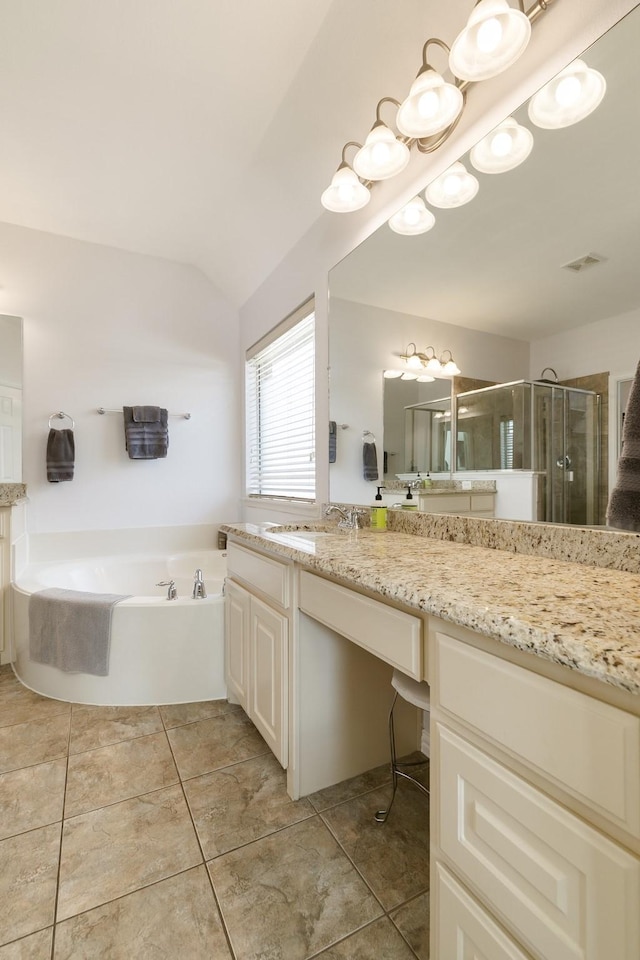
(392, 100)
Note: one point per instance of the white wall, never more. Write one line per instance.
(103, 327)
(558, 37)
(366, 340)
(11, 352)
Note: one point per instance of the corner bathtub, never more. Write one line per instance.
(162, 651)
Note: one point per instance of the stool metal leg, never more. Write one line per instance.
(396, 771)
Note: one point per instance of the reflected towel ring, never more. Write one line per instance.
(368, 436)
(61, 415)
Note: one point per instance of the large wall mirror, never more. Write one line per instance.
(10, 399)
(492, 283)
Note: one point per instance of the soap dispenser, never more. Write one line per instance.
(427, 481)
(378, 512)
(409, 501)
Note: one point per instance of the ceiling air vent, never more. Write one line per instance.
(582, 263)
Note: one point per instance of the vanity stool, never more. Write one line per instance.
(417, 693)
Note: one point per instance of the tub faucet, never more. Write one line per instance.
(199, 592)
(172, 593)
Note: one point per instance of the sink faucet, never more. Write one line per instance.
(172, 593)
(199, 592)
(350, 519)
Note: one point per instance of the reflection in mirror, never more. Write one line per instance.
(537, 271)
(10, 399)
(416, 427)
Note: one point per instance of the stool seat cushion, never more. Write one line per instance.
(413, 691)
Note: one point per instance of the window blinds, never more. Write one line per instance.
(280, 415)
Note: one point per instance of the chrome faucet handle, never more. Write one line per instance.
(172, 593)
(199, 592)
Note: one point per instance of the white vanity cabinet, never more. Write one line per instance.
(257, 627)
(461, 502)
(535, 812)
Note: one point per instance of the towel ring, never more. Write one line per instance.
(368, 436)
(61, 415)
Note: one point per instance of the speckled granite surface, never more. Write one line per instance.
(10, 493)
(582, 617)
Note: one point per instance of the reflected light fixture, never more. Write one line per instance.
(432, 104)
(345, 192)
(391, 374)
(383, 155)
(571, 96)
(494, 37)
(413, 218)
(452, 188)
(503, 149)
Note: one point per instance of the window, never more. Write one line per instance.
(280, 405)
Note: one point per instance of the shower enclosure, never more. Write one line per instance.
(538, 426)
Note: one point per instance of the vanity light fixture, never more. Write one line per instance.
(571, 96)
(503, 149)
(495, 36)
(493, 39)
(413, 218)
(383, 154)
(346, 191)
(428, 362)
(452, 188)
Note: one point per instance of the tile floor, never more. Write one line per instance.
(167, 832)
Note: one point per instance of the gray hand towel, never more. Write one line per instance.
(71, 629)
(146, 433)
(369, 461)
(61, 453)
(624, 504)
(332, 441)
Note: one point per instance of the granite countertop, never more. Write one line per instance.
(11, 493)
(583, 617)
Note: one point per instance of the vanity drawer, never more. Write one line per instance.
(269, 576)
(462, 928)
(390, 634)
(483, 503)
(586, 747)
(562, 888)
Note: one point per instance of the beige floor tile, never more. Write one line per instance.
(175, 714)
(35, 742)
(348, 789)
(98, 726)
(412, 920)
(207, 745)
(291, 894)
(115, 850)
(28, 881)
(31, 797)
(380, 940)
(18, 704)
(242, 803)
(174, 918)
(117, 772)
(392, 857)
(35, 947)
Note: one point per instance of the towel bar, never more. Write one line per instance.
(180, 416)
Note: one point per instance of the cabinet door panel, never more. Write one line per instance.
(268, 703)
(236, 636)
(561, 887)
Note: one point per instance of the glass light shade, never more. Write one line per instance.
(425, 378)
(409, 376)
(345, 193)
(503, 149)
(494, 37)
(452, 188)
(381, 156)
(413, 218)
(434, 365)
(568, 98)
(391, 374)
(450, 368)
(413, 361)
(431, 106)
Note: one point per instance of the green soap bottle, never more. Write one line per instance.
(378, 513)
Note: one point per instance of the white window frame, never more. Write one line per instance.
(280, 412)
